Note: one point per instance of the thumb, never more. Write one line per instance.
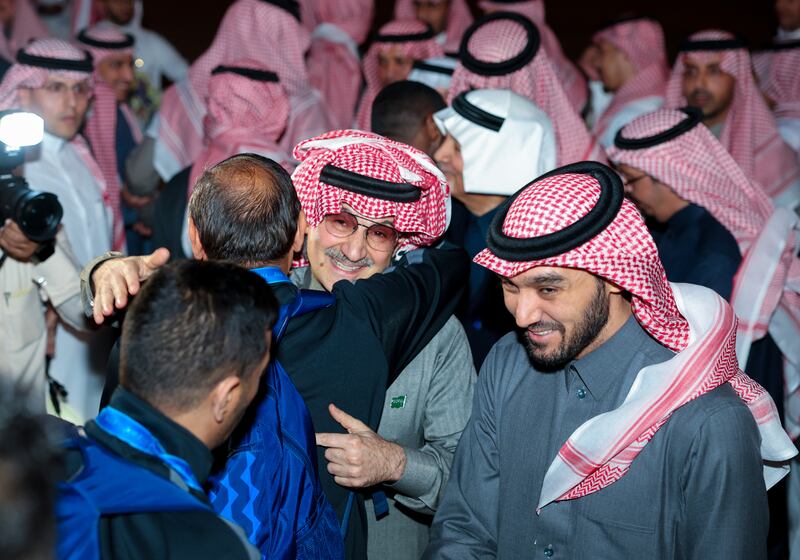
(349, 423)
(155, 260)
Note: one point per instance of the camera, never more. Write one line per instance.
(38, 214)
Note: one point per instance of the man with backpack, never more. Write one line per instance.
(348, 351)
(194, 346)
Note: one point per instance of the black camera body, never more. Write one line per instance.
(38, 214)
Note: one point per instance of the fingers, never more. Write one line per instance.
(349, 423)
(152, 262)
(333, 440)
(114, 280)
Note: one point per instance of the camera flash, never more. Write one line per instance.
(21, 129)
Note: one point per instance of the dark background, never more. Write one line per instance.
(190, 25)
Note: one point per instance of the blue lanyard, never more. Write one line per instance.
(118, 424)
(272, 274)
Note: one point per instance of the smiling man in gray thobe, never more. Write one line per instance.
(616, 423)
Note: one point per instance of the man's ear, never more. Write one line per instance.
(224, 396)
(194, 237)
(433, 131)
(300, 234)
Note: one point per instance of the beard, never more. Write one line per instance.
(595, 317)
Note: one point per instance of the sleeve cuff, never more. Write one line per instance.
(87, 288)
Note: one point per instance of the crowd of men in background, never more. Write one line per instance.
(440, 292)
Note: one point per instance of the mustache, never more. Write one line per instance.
(698, 92)
(546, 326)
(337, 255)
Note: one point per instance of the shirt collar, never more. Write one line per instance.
(52, 143)
(605, 366)
(175, 439)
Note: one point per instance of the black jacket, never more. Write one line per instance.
(189, 535)
(350, 353)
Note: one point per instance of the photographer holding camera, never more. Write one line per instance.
(53, 79)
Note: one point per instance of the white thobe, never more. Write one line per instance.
(79, 361)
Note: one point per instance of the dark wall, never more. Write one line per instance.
(190, 24)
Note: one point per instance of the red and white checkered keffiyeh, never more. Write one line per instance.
(244, 115)
(334, 63)
(499, 40)
(642, 41)
(750, 133)
(250, 29)
(417, 50)
(459, 17)
(25, 27)
(691, 320)
(24, 76)
(572, 81)
(699, 169)
(374, 156)
(778, 73)
(101, 126)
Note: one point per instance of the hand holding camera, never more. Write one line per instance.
(14, 242)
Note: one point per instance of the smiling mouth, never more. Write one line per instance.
(345, 268)
(541, 335)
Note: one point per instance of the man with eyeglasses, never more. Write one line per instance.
(53, 79)
(347, 353)
(360, 218)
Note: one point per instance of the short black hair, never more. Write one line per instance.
(193, 324)
(30, 465)
(400, 109)
(245, 210)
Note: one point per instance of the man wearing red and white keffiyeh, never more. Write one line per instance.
(572, 81)
(448, 18)
(390, 58)
(248, 109)
(21, 25)
(620, 425)
(264, 30)
(502, 51)
(779, 81)
(334, 63)
(353, 235)
(697, 168)
(633, 66)
(713, 72)
(110, 117)
(53, 79)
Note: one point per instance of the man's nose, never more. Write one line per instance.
(528, 310)
(355, 247)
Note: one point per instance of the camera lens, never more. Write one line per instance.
(36, 213)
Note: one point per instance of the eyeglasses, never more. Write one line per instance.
(81, 89)
(380, 237)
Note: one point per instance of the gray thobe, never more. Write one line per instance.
(695, 491)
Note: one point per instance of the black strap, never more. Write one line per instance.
(694, 116)
(690, 45)
(784, 45)
(291, 6)
(428, 67)
(369, 186)
(475, 114)
(126, 43)
(252, 73)
(408, 37)
(86, 65)
(574, 235)
(505, 66)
